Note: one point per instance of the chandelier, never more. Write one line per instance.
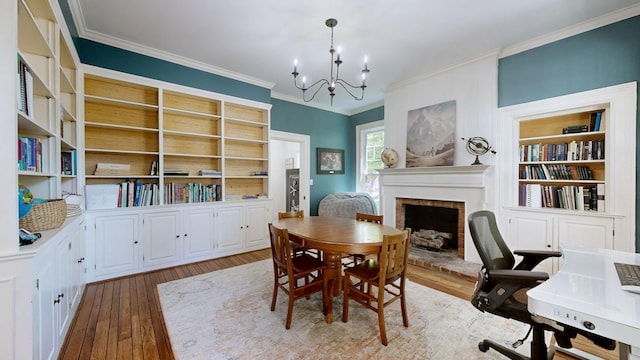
(334, 79)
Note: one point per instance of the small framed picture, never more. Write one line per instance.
(330, 161)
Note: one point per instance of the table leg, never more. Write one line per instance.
(334, 270)
(334, 276)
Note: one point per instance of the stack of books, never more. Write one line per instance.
(206, 172)
(175, 172)
(259, 173)
(106, 169)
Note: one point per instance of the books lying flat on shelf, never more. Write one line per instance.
(175, 172)
(103, 169)
(259, 173)
(206, 172)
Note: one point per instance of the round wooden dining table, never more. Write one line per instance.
(336, 236)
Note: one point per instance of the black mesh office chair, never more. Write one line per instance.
(501, 290)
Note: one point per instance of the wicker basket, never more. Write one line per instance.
(45, 216)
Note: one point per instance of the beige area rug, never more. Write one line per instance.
(225, 315)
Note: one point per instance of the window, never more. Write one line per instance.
(370, 143)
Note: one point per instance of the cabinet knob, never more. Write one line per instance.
(135, 242)
(56, 301)
(177, 236)
(185, 235)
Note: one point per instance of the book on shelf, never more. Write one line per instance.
(207, 172)
(175, 172)
(29, 154)
(600, 204)
(106, 169)
(153, 171)
(68, 162)
(595, 121)
(259, 173)
(572, 129)
(25, 83)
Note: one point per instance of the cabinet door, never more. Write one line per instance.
(257, 236)
(531, 231)
(198, 236)
(64, 252)
(230, 225)
(80, 261)
(592, 232)
(116, 243)
(161, 238)
(44, 308)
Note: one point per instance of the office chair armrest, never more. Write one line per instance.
(531, 258)
(517, 276)
(504, 283)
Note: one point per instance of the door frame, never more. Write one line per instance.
(305, 163)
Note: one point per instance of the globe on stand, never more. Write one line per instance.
(389, 157)
(478, 146)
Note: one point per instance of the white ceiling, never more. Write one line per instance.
(257, 40)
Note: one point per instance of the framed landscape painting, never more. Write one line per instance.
(330, 161)
(430, 134)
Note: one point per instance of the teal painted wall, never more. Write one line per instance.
(326, 130)
(602, 57)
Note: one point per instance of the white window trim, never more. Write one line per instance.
(361, 131)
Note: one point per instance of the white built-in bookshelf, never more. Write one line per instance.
(181, 145)
(46, 89)
(567, 171)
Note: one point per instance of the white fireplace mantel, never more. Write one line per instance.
(471, 176)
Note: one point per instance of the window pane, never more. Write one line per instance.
(373, 146)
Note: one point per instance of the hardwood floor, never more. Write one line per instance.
(121, 318)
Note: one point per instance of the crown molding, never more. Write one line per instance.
(600, 21)
(85, 33)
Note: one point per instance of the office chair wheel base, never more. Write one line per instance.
(483, 347)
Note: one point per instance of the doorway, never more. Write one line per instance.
(288, 150)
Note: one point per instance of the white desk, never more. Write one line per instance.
(586, 291)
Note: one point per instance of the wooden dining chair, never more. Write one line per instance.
(355, 259)
(295, 247)
(387, 276)
(297, 276)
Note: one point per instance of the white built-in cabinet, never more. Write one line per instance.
(245, 227)
(58, 279)
(128, 241)
(553, 223)
(542, 231)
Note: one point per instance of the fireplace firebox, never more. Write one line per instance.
(436, 225)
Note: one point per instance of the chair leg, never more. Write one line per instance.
(275, 295)
(345, 299)
(403, 306)
(289, 311)
(383, 329)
